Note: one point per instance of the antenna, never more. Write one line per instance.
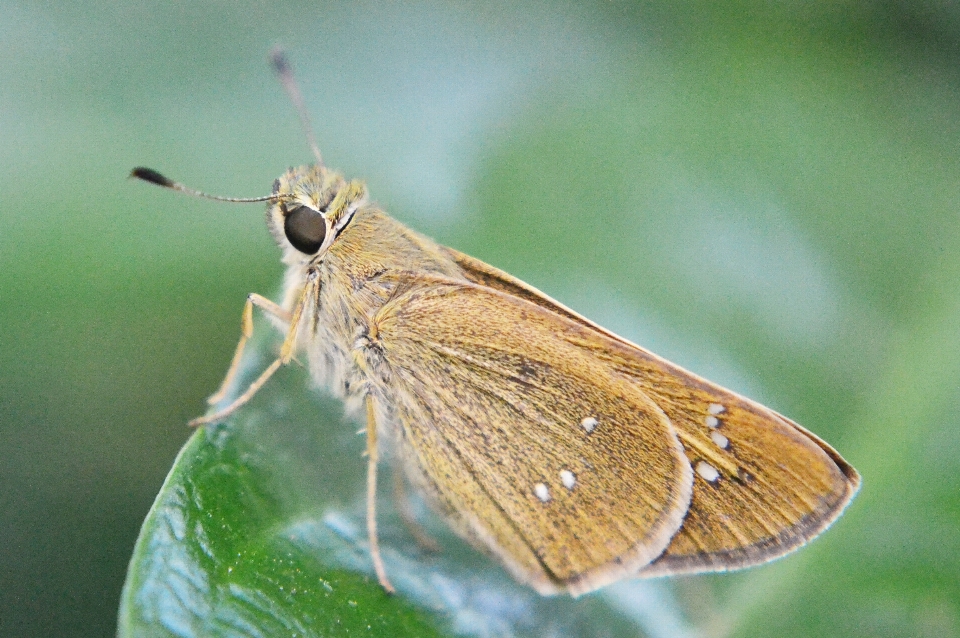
(152, 176)
(278, 59)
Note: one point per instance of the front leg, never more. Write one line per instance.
(286, 350)
(246, 331)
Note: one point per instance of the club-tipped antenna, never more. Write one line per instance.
(278, 59)
(152, 176)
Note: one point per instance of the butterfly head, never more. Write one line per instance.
(311, 206)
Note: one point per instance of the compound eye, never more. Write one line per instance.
(305, 228)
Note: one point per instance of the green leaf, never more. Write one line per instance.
(259, 530)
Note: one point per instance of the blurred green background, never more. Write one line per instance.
(765, 192)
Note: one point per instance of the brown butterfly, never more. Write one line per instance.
(575, 457)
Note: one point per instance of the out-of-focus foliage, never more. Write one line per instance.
(766, 193)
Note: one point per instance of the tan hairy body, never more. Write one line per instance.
(573, 456)
(470, 371)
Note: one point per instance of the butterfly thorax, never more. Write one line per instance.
(365, 257)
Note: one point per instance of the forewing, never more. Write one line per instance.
(775, 485)
(567, 472)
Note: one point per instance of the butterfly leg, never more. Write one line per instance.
(372, 498)
(426, 542)
(286, 350)
(246, 331)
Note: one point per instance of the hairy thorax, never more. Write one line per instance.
(373, 259)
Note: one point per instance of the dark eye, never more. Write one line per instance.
(305, 228)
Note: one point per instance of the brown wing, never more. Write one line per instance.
(777, 485)
(568, 473)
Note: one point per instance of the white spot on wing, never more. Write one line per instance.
(707, 472)
(543, 492)
(712, 421)
(721, 441)
(589, 424)
(716, 408)
(568, 479)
